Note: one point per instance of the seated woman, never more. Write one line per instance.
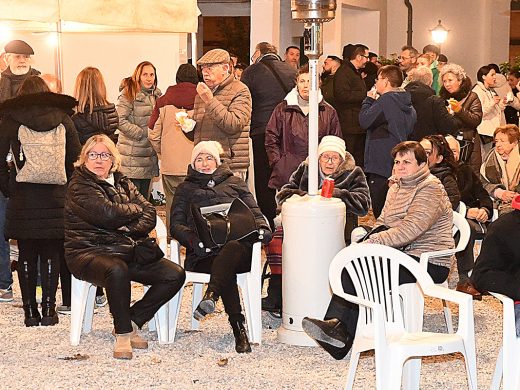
(418, 218)
(210, 183)
(442, 165)
(500, 172)
(498, 265)
(104, 215)
(350, 185)
(479, 211)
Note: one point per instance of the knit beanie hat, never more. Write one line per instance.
(187, 73)
(209, 147)
(331, 143)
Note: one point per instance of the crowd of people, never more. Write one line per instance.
(413, 141)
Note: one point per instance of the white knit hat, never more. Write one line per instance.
(331, 143)
(209, 147)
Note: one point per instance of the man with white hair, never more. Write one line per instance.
(432, 115)
(18, 59)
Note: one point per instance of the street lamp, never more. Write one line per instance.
(439, 34)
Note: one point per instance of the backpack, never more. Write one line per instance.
(44, 156)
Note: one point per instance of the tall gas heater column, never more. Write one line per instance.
(313, 225)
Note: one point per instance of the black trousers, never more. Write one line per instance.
(164, 277)
(234, 258)
(378, 187)
(48, 253)
(356, 147)
(265, 196)
(348, 312)
(143, 185)
(466, 258)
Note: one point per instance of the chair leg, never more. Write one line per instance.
(173, 313)
(252, 296)
(471, 369)
(354, 360)
(80, 291)
(89, 308)
(161, 322)
(448, 317)
(197, 297)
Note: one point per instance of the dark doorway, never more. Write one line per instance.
(229, 33)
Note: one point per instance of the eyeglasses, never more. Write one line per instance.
(362, 55)
(403, 58)
(104, 156)
(201, 160)
(325, 159)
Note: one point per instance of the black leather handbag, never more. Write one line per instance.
(147, 251)
(216, 228)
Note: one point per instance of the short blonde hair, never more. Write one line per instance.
(100, 139)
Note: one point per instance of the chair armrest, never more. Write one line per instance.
(355, 299)
(427, 255)
(440, 292)
(175, 251)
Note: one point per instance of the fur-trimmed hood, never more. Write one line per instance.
(40, 111)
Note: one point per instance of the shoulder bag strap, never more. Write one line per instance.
(276, 75)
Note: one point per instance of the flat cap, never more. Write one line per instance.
(215, 56)
(19, 47)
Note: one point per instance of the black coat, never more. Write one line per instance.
(35, 211)
(102, 120)
(445, 174)
(432, 115)
(497, 268)
(266, 91)
(472, 192)
(203, 190)
(95, 210)
(349, 93)
(10, 83)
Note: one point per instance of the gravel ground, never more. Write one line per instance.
(38, 358)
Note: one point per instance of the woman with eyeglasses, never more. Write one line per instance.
(287, 132)
(350, 185)
(35, 209)
(104, 215)
(134, 106)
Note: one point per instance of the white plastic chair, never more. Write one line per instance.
(83, 295)
(507, 368)
(459, 225)
(462, 209)
(374, 271)
(249, 283)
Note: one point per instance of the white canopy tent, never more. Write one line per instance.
(112, 35)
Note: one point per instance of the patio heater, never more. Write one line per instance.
(313, 225)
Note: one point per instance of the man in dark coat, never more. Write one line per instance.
(330, 66)
(18, 59)
(497, 268)
(349, 92)
(388, 121)
(432, 115)
(269, 80)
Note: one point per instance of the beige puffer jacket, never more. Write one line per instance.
(226, 119)
(139, 160)
(419, 216)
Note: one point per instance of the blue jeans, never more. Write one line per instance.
(6, 278)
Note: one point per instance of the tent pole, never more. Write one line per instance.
(58, 53)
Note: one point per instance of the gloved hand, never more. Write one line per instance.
(200, 250)
(265, 236)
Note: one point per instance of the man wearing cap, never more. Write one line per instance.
(165, 134)
(269, 79)
(18, 58)
(222, 110)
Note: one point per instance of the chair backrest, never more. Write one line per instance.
(374, 270)
(462, 209)
(461, 225)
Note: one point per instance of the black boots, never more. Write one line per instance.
(273, 301)
(49, 271)
(241, 341)
(32, 316)
(49, 315)
(332, 335)
(206, 306)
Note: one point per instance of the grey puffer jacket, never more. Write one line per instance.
(139, 160)
(226, 119)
